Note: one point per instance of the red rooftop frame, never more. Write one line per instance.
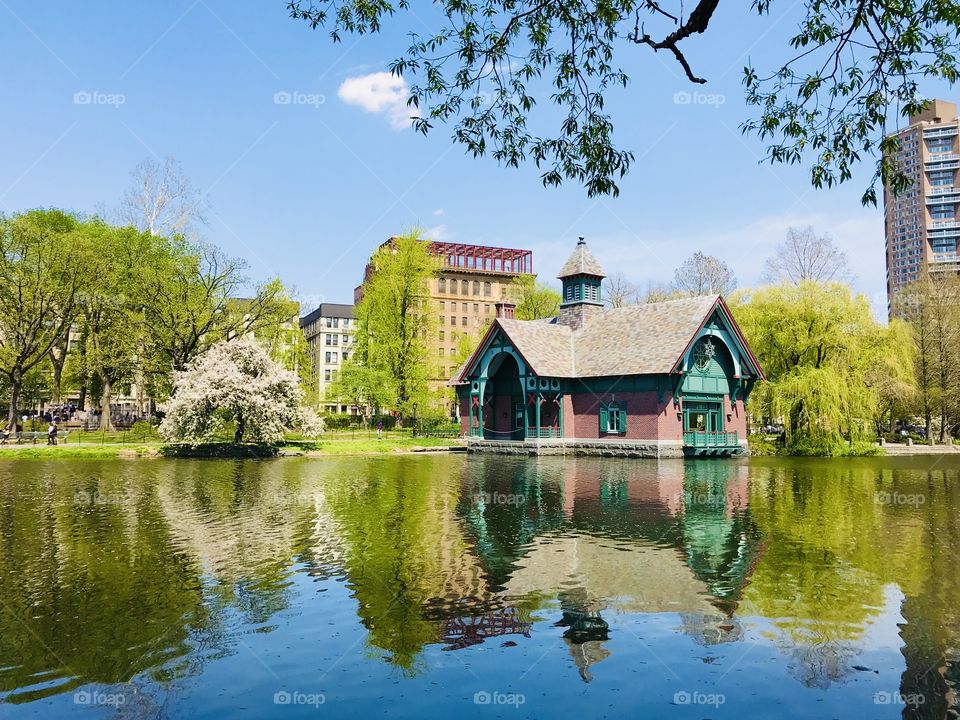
(483, 258)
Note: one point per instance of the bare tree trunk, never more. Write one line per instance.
(238, 433)
(58, 358)
(106, 422)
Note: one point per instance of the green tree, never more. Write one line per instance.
(362, 386)
(528, 81)
(44, 265)
(394, 320)
(189, 298)
(822, 352)
(534, 300)
(931, 306)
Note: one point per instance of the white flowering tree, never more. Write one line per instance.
(237, 381)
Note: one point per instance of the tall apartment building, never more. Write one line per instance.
(329, 331)
(922, 228)
(472, 279)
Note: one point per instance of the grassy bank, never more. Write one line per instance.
(331, 444)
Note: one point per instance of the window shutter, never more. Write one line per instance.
(603, 418)
(622, 420)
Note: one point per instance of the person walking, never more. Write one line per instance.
(6, 435)
(380, 430)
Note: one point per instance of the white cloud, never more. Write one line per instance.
(438, 233)
(380, 92)
(439, 212)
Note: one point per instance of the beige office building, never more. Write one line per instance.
(922, 227)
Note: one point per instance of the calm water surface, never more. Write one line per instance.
(480, 587)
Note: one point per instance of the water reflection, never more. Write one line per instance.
(148, 572)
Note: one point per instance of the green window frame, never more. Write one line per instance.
(613, 418)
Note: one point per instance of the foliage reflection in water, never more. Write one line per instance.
(416, 584)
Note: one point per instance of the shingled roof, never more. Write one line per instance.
(635, 340)
(581, 262)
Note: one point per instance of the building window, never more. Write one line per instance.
(613, 417)
(487, 289)
(463, 307)
(463, 321)
(441, 332)
(326, 376)
(326, 358)
(486, 308)
(476, 287)
(329, 322)
(476, 309)
(346, 322)
(942, 211)
(464, 287)
(328, 339)
(453, 287)
(345, 338)
(453, 320)
(442, 285)
(443, 306)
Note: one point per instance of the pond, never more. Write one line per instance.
(439, 585)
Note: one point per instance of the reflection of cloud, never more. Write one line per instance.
(380, 92)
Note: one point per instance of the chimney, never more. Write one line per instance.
(505, 310)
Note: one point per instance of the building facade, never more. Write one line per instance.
(329, 332)
(921, 223)
(657, 380)
(471, 281)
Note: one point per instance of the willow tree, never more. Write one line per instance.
(394, 320)
(823, 352)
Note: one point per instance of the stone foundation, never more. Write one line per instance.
(658, 449)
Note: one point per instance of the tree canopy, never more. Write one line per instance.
(500, 70)
(830, 365)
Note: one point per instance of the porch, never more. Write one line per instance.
(704, 443)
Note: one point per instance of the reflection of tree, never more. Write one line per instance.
(406, 560)
(89, 583)
(833, 548)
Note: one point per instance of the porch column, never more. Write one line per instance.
(560, 412)
(539, 401)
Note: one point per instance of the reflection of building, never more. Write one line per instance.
(329, 331)
(660, 379)
(921, 227)
(471, 280)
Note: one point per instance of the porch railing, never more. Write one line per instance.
(543, 433)
(702, 439)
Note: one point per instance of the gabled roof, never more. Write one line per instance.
(648, 339)
(581, 262)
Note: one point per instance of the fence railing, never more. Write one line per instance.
(704, 439)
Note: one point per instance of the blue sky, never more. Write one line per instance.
(305, 190)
